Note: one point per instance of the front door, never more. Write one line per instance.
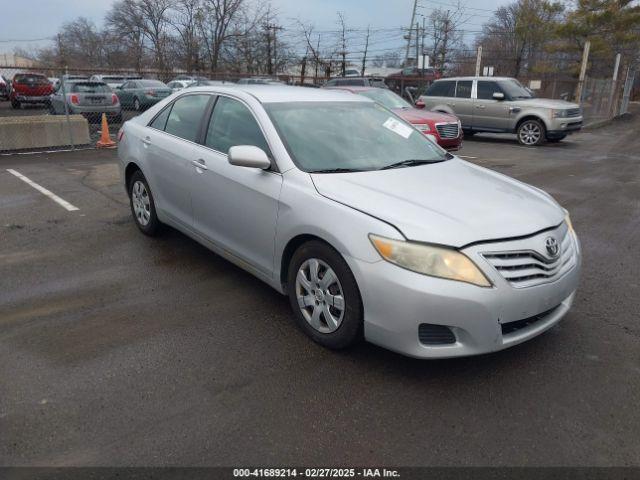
(464, 103)
(488, 113)
(236, 207)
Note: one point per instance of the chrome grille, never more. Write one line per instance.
(447, 130)
(527, 268)
(573, 112)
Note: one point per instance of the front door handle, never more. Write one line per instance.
(147, 141)
(451, 104)
(479, 106)
(199, 164)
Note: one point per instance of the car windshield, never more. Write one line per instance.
(514, 89)
(89, 87)
(386, 98)
(348, 136)
(113, 79)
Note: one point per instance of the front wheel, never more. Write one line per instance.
(531, 133)
(143, 207)
(136, 105)
(324, 296)
(15, 104)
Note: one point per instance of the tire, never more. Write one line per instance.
(556, 139)
(143, 207)
(344, 326)
(15, 104)
(468, 133)
(136, 105)
(531, 133)
(118, 118)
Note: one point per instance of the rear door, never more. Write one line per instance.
(236, 207)
(169, 143)
(464, 103)
(489, 113)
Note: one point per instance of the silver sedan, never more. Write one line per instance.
(372, 230)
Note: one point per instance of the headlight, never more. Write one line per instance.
(559, 113)
(568, 221)
(423, 127)
(430, 260)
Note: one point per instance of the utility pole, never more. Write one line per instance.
(366, 48)
(424, 30)
(478, 61)
(272, 63)
(417, 43)
(614, 84)
(445, 43)
(413, 18)
(583, 71)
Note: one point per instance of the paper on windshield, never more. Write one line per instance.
(398, 127)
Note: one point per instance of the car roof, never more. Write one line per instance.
(353, 88)
(474, 78)
(285, 93)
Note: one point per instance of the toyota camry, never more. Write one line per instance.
(372, 230)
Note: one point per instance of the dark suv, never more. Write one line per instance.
(31, 88)
(5, 88)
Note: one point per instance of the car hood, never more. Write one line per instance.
(545, 103)
(417, 116)
(449, 203)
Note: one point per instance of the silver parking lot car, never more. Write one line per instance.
(372, 230)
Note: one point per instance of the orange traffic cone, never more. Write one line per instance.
(105, 139)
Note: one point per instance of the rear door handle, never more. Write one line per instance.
(146, 141)
(479, 106)
(451, 104)
(199, 164)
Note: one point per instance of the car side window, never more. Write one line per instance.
(233, 124)
(160, 121)
(487, 89)
(445, 88)
(463, 90)
(331, 83)
(186, 115)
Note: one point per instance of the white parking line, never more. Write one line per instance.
(44, 191)
(466, 156)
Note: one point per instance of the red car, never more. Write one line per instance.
(444, 129)
(30, 88)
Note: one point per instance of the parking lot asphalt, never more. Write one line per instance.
(118, 349)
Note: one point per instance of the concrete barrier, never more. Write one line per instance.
(42, 131)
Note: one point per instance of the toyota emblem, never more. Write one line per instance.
(552, 247)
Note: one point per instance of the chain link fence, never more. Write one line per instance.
(49, 108)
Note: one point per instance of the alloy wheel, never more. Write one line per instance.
(141, 203)
(530, 133)
(320, 295)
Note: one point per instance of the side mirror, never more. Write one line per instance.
(420, 104)
(498, 96)
(248, 156)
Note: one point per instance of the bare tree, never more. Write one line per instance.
(444, 35)
(214, 22)
(185, 22)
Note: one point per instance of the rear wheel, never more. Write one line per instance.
(143, 207)
(531, 133)
(15, 104)
(324, 296)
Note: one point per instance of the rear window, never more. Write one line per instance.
(30, 79)
(89, 87)
(442, 89)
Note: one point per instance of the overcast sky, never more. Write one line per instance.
(42, 18)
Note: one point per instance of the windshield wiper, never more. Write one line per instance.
(410, 163)
(337, 170)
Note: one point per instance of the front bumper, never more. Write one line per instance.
(564, 126)
(32, 99)
(397, 301)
